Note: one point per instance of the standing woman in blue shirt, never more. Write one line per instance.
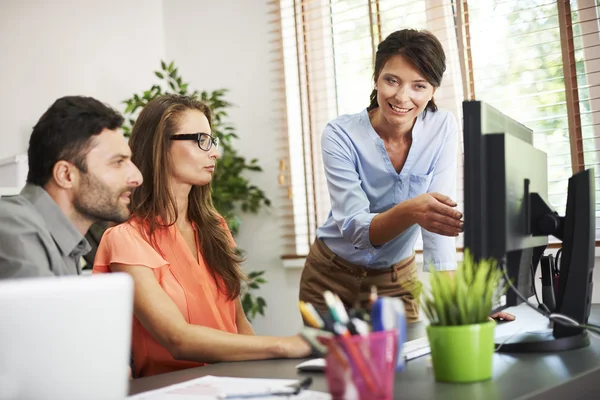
(391, 171)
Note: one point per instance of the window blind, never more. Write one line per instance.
(537, 61)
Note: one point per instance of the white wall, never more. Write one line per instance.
(225, 44)
(49, 49)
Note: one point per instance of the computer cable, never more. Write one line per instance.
(557, 261)
(540, 304)
(559, 318)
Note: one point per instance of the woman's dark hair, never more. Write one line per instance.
(421, 48)
(66, 132)
(154, 203)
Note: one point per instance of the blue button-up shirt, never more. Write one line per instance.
(362, 182)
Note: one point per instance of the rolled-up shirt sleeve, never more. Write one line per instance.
(440, 251)
(350, 206)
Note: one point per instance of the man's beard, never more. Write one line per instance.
(99, 202)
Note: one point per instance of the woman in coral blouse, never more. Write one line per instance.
(179, 251)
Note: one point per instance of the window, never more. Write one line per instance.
(537, 61)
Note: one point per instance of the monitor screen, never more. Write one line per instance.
(500, 160)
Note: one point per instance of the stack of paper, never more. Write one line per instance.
(214, 388)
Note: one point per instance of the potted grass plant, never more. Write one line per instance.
(460, 332)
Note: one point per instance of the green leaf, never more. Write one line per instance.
(466, 297)
(161, 76)
(255, 274)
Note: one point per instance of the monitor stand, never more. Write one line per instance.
(577, 231)
(540, 342)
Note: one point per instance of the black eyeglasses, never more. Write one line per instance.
(205, 141)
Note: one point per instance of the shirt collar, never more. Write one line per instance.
(67, 237)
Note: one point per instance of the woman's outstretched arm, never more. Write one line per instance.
(184, 341)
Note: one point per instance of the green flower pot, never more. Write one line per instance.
(462, 353)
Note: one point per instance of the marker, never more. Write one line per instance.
(341, 310)
(316, 337)
(362, 328)
(331, 304)
(327, 320)
(308, 316)
(388, 313)
(313, 311)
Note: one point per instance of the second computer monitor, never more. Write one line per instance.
(501, 168)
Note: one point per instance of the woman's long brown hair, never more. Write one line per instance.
(153, 202)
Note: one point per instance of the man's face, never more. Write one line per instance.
(104, 191)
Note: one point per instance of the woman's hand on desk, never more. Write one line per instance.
(436, 213)
(294, 347)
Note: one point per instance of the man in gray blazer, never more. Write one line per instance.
(80, 172)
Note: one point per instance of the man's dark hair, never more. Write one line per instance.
(65, 132)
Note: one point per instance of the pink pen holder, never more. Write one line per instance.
(362, 367)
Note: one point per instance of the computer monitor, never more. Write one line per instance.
(494, 196)
(507, 217)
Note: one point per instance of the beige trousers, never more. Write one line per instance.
(325, 270)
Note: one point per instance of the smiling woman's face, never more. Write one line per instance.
(190, 164)
(402, 92)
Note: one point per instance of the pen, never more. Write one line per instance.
(290, 390)
(335, 349)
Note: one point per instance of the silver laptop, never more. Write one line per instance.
(65, 338)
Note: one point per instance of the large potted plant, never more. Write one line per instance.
(460, 332)
(232, 191)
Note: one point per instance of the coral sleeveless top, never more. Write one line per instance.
(187, 282)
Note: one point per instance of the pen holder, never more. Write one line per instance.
(362, 367)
